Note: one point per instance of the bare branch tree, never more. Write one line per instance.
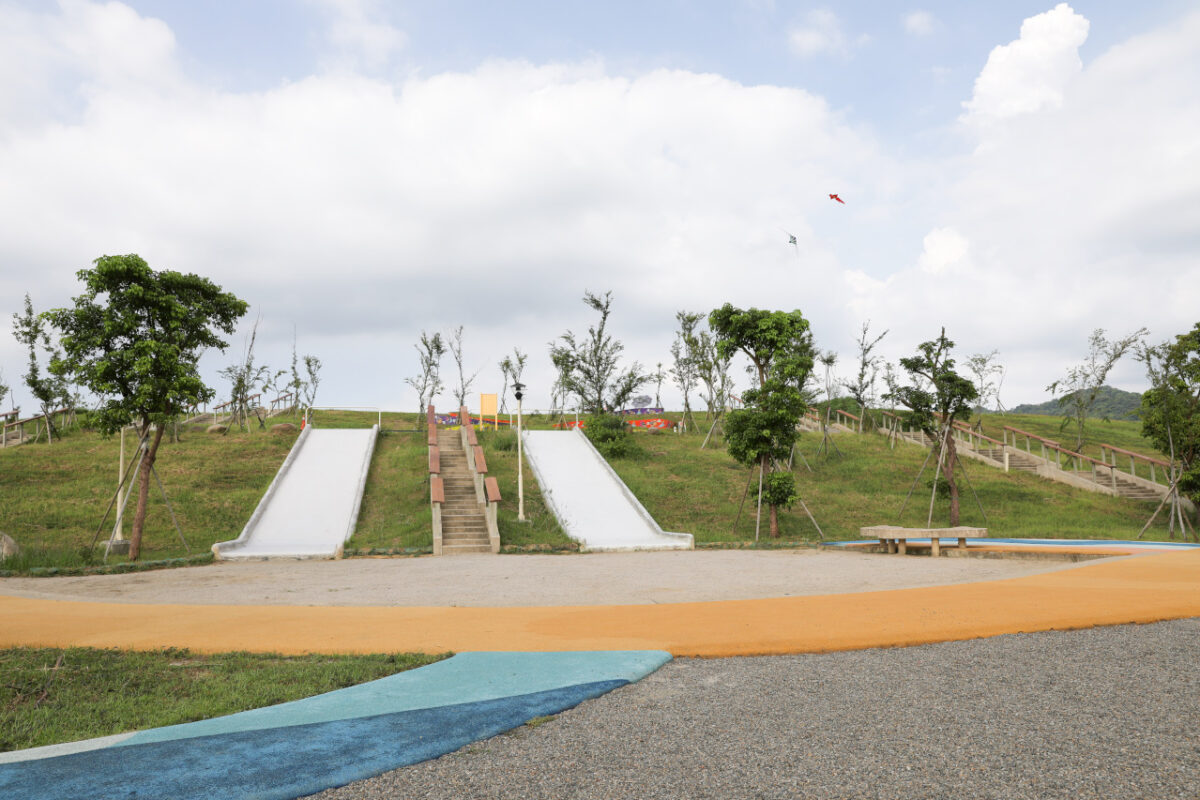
(244, 377)
(455, 343)
(1083, 382)
(862, 388)
(685, 372)
(589, 366)
(428, 383)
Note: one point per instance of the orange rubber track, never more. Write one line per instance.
(1132, 590)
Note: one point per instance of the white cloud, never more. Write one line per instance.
(364, 211)
(1031, 73)
(360, 36)
(1071, 216)
(944, 250)
(821, 34)
(919, 23)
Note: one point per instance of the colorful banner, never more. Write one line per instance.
(656, 424)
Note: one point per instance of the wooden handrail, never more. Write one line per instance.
(435, 460)
(1043, 439)
(493, 490)
(437, 490)
(35, 418)
(848, 414)
(1132, 454)
(968, 429)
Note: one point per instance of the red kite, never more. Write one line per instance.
(835, 197)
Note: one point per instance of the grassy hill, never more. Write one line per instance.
(698, 491)
(1111, 403)
(53, 496)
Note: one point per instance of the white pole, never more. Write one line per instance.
(118, 528)
(520, 469)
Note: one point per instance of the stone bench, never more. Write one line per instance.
(894, 538)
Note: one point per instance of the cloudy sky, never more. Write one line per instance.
(361, 171)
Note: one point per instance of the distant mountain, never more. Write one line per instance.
(1111, 403)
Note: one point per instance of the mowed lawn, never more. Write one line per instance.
(699, 491)
(53, 496)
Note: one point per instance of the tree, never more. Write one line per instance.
(312, 369)
(511, 368)
(658, 377)
(1170, 410)
(686, 373)
(244, 377)
(713, 370)
(589, 366)
(304, 392)
(134, 338)
(780, 350)
(455, 343)
(937, 398)
(862, 388)
(428, 383)
(989, 376)
(3, 388)
(1083, 382)
(47, 386)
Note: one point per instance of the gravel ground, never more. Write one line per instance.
(531, 580)
(1101, 713)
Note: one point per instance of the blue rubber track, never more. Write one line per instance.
(309, 745)
(281, 763)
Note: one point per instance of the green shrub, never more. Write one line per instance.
(611, 436)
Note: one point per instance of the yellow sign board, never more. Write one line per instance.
(487, 405)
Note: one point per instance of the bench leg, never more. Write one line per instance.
(962, 543)
(935, 546)
(902, 546)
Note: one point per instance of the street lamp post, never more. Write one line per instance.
(518, 390)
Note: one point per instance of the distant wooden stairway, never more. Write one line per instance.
(463, 497)
(1056, 463)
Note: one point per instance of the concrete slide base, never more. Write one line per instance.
(593, 505)
(311, 507)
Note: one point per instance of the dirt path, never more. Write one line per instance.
(532, 580)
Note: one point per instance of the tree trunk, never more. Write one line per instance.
(774, 521)
(139, 516)
(951, 458)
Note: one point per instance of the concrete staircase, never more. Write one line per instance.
(1016, 461)
(464, 526)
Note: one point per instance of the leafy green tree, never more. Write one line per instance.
(134, 338)
(589, 367)
(1083, 382)
(780, 350)
(937, 397)
(1171, 408)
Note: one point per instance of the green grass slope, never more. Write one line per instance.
(699, 491)
(53, 496)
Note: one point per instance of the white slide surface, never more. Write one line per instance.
(593, 505)
(311, 507)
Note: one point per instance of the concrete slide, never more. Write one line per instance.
(311, 508)
(593, 505)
